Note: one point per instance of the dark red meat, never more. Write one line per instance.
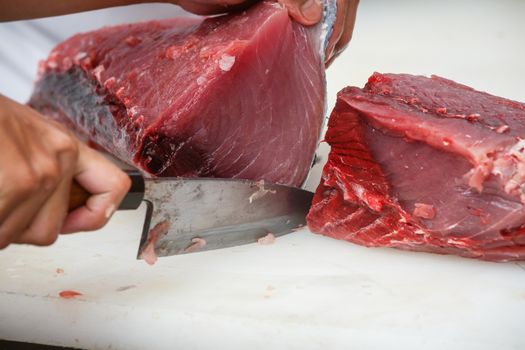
(235, 96)
(425, 164)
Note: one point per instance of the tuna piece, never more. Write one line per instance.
(425, 164)
(236, 96)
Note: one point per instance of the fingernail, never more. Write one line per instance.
(311, 10)
(109, 211)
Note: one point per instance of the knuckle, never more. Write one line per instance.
(48, 174)
(64, 143)
(27, 182)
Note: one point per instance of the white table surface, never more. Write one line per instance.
(305, 291)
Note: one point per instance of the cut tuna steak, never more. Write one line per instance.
(425, 164)
(234, 96)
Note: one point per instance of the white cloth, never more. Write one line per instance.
(24, 43)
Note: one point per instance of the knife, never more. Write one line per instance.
(185, 215)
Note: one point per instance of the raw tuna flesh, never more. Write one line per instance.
(238, 96)
(425, 164)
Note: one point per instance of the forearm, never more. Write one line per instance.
(11, 10)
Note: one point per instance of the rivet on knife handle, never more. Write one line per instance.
(79, 196)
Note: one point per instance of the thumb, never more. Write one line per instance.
(306, 12)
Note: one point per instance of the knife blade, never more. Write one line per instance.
(185, 215)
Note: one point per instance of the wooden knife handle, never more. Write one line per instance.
(79, 196)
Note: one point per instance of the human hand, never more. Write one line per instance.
(309, 12)
(38, 161)
(306, 12)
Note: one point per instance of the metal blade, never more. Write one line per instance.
(221, 212)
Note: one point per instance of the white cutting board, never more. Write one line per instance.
(305, 291)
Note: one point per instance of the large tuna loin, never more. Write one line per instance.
(235, 96)
(425, 164)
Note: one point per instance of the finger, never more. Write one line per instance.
(338, 29)
(106, 182)
(64, 147)
(16, 177)
(21, 189)
(33, 181)
(20, 218)
(31, 148)
(46, 225)
(12, 194)
(306, 12)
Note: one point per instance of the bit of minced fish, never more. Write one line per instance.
(267, 240)
(197, 244)
(148, 253)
